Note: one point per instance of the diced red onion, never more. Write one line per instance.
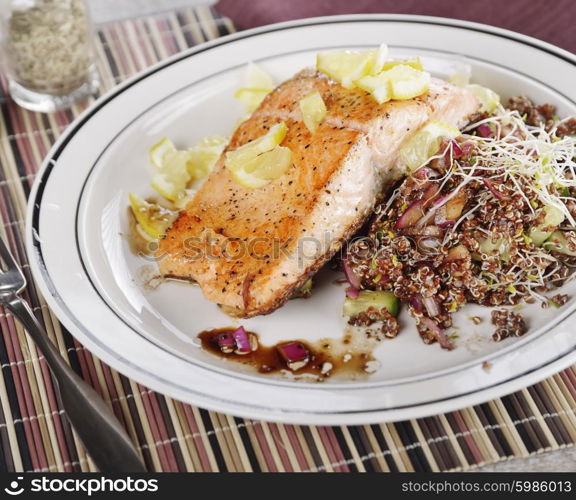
(438, 332)
(351, 276)
(493, 189)
(431, 191)
(226, 342)
(422, 173)
(446, 224)
(431, 306)
(448, 208)
(411, 215)
(440, 201)
(352, 292)
(242, 341)
(444, 341)
(484, 130)
(416, 303)
(293, 351)
(467, 148)
(456, 150)
(428, 244)
(414, 214)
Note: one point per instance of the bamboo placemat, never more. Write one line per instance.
(172, 436)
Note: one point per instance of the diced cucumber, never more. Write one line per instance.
(375, 299)
(304, 291)
(559, 243)
(538, 236)
(488, 247)
(554, 217)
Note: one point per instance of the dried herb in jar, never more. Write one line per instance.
(48, 42)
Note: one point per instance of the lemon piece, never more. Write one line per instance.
(159, 150)
(242, 155)
(406, 82)
(203, 156)
(251, 97)
(489, 99)
(249, 181)
(213, 141)
(258, 85)
(313, 110)
(172, 177)
(153, 219)
(425, 143)
(346, 66)
(144, 235)
(400, 82)
(413, 63)
(264, 168)
(256, 77)
(184, 199)
(175, 169)
(378, 86)
(380, 59)
(460, 79)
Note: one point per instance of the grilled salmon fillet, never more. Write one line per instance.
(251, 249)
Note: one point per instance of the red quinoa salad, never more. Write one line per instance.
(489, 219)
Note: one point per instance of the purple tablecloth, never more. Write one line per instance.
(549, 20)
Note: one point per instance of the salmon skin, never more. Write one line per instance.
(251, 249)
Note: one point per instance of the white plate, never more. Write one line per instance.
(84, 266)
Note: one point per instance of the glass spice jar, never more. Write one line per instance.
(47, 51)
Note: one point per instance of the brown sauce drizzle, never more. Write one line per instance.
(327, 357)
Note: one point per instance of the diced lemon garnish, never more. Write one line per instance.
(413, 63)
(313, 110)
(251, 97)
(401, 82)
(425, 143)
(260, 161)
(264, 168)
(378, 86)
(153, 219)
(203, 156)
(380, 59)
(407, 82)
(346, 66)
(256, 77)
(371, 71)
(176, 169)
(242, 155)
(158, 150)
(258, 85)
(184, 199)
(489, 99)
(460, 79)
(172, 177)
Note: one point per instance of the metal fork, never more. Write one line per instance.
(104, 438)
